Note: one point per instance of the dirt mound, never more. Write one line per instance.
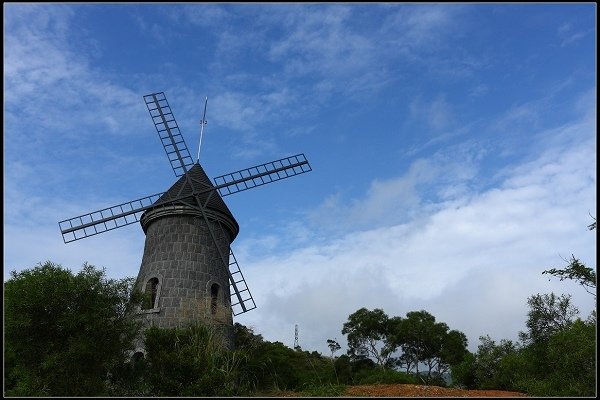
(407, 390)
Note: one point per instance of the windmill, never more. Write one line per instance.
(188, 270)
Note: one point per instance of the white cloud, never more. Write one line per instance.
(472, 262)
(569, 35)
(46, 76)
(446, 176)
(437, 113)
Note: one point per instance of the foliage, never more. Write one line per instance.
(65, 333)
(274, 366)
(333, 346)
(372, 335)
(192, 361)
(557, 356)
(368, 335)
(463, 373)
(571, 352)
(343, 369)
(578, 272)
(490, 367)
(547, 315)
(423, 340)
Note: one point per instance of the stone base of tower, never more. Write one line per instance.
(222, 332)
(182, 275)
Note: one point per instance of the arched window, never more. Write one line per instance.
(214, 295)
(151, 294)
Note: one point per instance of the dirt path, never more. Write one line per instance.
(407, 390)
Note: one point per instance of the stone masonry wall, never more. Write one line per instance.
(180, 252)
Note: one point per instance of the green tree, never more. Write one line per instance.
(343, 369)
(548, 314)
(245, 337)
(463, 373)
(416, 337)
(65, 333)
(333, 346)
(572, 355)
(368, 336)
(489, 370)
(577, 271)
(453, 350)
(423, 340)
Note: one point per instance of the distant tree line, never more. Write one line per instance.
(405, 343)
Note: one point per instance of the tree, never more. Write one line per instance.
(577, 271)
(333, 346)
(65, 333)
(414, 335)
(558, 357)
(548, 314)
(423, 340)
(368, 336)
(453, 351)
(489, 368)
(572, 354)
(245, 337)
(463, 373)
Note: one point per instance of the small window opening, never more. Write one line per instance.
(150, 295)
(214, 295)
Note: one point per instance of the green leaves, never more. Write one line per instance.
(419, 337)
(65, 331)
(578, 272)
(368, 335)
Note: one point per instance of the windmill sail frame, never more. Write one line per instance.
(127, 213)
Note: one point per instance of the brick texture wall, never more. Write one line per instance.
(181, 253)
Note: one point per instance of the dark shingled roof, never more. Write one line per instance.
(200, 182)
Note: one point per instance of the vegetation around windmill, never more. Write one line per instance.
(65, 332)
(69, 334)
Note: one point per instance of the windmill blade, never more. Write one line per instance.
(106, 219)
(128, 213)
(168, 132)
(241, 298)
(116, 216)
(261, 174)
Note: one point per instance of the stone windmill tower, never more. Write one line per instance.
(188, 271)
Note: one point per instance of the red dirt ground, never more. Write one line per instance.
(407, 390)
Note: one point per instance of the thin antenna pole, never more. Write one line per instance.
(202, 123)
(296, 345)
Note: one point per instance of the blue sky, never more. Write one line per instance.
(453, 148)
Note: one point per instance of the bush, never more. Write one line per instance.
(191, 361)
(65, 333)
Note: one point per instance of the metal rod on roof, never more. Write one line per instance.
(202, 123)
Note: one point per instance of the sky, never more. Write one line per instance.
(452, 146)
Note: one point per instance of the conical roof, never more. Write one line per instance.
(201, 185)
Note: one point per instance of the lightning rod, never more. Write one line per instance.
(202, 123)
